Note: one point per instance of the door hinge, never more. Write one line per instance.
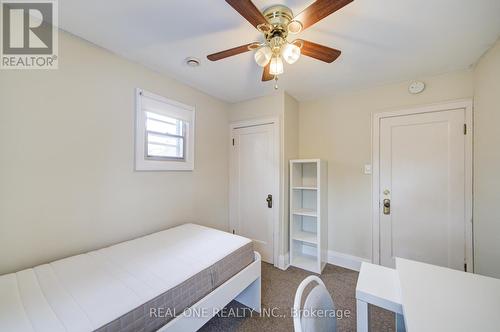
(233, 141)
(465, 129)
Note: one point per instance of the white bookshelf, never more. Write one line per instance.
(308, 214)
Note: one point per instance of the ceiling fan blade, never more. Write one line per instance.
(266, 76)
(230, 52)
(247, 9)
(317, 51)
(319, 10)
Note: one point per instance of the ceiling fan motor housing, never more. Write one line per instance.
(278, 17)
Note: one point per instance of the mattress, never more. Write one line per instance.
(115, 288)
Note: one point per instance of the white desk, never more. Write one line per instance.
(379, 286)
(441, 299)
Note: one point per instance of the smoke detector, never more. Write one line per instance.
(416, 87)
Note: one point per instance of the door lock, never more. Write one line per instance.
(269, 201)
(387, 206)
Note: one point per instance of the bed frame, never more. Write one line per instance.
(243, 287)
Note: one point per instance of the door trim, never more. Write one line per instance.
(275, 121)
(467, 105)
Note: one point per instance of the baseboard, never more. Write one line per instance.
(335, 258)
(347, 261)
(284, 261)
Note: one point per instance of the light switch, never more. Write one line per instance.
(368, 169)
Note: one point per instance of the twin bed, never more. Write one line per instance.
(174, 280)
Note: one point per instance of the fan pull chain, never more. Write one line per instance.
(276, 82)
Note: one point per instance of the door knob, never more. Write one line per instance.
(387, 206)
(269, 201)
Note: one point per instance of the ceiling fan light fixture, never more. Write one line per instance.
(276, 66)
(263, 55)
(291, 53)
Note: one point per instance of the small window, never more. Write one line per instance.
(165, 137)
(164, 134)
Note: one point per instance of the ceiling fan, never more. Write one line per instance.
(276, 23)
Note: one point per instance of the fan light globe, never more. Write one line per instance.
(263, 55)
(276, 67)
(291, 53)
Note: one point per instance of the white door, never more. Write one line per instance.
(252, 186)
(423, 184)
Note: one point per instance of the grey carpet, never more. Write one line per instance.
(278, 291)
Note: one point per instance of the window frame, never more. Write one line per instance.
(168, 108)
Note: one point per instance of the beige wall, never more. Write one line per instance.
(291, 151)
(268, 106)
(338, 129)
(487, 164)
(67, 183)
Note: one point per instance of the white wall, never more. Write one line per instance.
(67, 183)
(487, 164)
(338, 129)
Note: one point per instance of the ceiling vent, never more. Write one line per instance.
(192, 62)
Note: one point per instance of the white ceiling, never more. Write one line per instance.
(382, 41)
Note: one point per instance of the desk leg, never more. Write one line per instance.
(362, 316)
(400, 323)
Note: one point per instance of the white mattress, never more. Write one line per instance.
(85, 292)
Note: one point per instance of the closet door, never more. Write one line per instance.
(252, 186)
